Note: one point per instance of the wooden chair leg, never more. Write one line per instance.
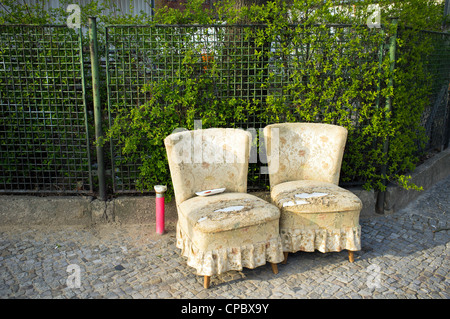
(285, 257)
(206, 281)
(351, 256)
(274, 268)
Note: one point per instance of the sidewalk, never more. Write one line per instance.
(404, 255)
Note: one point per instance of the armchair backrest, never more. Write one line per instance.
(208, 159)
(304, 151)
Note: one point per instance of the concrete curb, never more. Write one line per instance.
(426, 175)
(79, 210)
(87, 211)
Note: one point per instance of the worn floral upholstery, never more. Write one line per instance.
(226, 231)
(304, 162)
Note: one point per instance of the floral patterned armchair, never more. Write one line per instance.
(225, 231)
(304, 162)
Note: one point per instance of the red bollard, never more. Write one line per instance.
(160, 211)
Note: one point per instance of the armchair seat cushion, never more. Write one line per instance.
(307, 196)
(227, 211)
(317, 216)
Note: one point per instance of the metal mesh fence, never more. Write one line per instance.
(245, 68)
(43, 125)
(139, 55)
(436, 116)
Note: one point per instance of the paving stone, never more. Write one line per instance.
(117, 261)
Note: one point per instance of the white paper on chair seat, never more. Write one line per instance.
(210, 192)
(306, 195)
(297, 202)
(230, 209)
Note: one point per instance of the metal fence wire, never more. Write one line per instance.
(43, 121)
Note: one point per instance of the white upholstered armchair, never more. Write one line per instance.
(304, 161)
(225, 231)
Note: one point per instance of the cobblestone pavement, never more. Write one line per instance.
(404, 255)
